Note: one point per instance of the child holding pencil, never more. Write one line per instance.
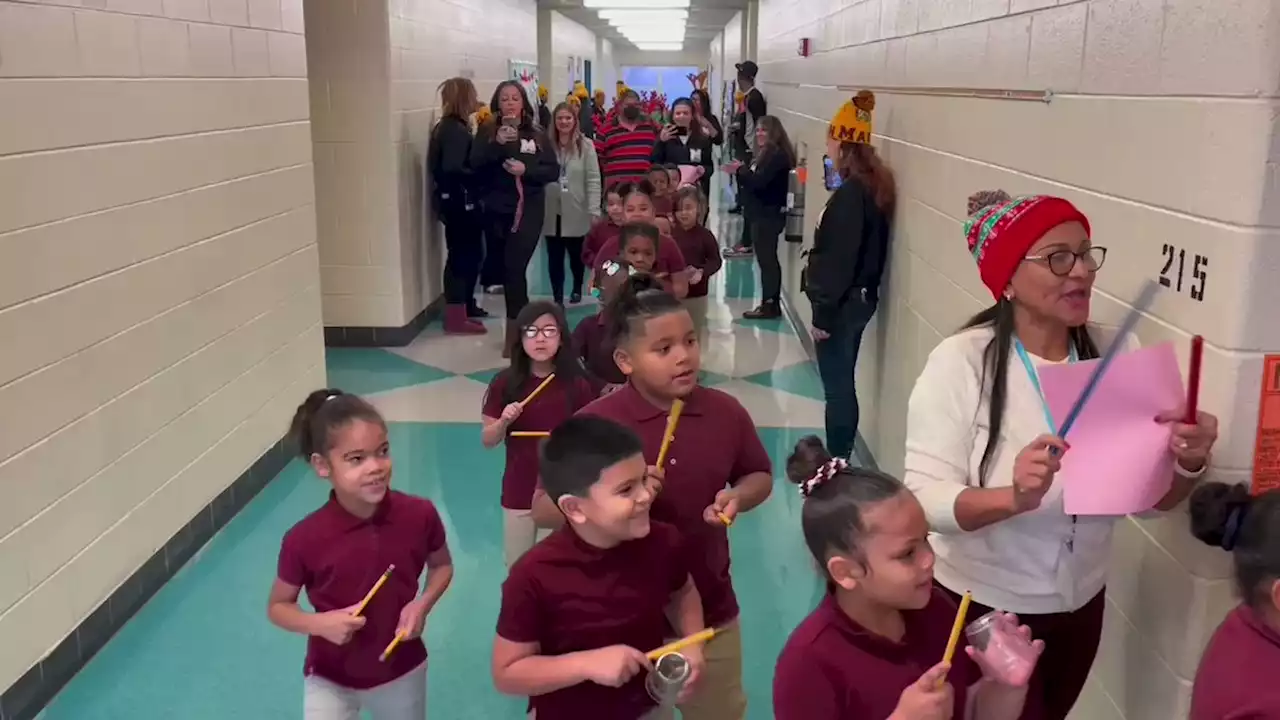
(543, 386)
(861, 652)
(359, 557)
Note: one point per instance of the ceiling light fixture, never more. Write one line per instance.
(636, 4)
(659, 46)
(616, 16)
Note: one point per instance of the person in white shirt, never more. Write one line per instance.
(981, 452)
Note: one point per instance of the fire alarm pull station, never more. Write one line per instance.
(805, 47)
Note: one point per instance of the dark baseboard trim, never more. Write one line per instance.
(29, 695)
(384, 336)
(859, 444)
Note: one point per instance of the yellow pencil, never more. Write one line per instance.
(673, 419)
(372, 591)
(391, 647)
(676, 646)
(537, 390)
(724, 519)
(961, 614)
(530, 433)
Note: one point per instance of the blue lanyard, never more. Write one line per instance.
(1035, 379)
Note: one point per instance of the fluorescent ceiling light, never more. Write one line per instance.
(636, 4)
(676, 29)
(655, 37)
(616, 16)
(659, 46)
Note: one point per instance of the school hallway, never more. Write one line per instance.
(202, 648)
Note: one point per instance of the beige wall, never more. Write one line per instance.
(605, 70)
(568, 39)
(1162, 127)
(158, 283)
(375, 76)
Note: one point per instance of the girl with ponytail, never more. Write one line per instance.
(1237, 676)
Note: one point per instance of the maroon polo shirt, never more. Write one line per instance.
(715, 446)
(337, 557)
(1238, 671)
(591, 340)
(599, 235)
(669, 259)
(556, 403)
(568, 596)
(831, 667)
(700, 249)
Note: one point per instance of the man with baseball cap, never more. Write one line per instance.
(754, 107)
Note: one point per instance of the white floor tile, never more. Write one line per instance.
(775, 408)
(457, 399)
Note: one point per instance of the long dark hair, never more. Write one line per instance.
(695, 128)
(995, 365)
(565, 364)
(527, 118)
(705, 101)
(860, 161)
(776, 140)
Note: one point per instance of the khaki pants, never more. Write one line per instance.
(519, 533)
(697, 308)
(719, 694)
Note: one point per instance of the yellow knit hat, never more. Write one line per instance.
(598, 96)
(542, 92)
(580, 90)
(852, 122)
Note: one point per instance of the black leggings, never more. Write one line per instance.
(517, 249)
(463, 240)
(557, 246)
(766, 224)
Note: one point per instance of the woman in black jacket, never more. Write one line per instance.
(765, 182)
(844, 268)
(683, 142)
(513, 162)
(448, 160)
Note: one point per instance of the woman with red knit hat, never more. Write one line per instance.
(981, 451)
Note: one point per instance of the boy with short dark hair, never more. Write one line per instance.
(581, 609)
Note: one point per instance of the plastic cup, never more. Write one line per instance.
(1003, 650)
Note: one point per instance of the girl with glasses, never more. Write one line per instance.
(542, 350)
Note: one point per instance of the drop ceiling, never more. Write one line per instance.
(706, 19)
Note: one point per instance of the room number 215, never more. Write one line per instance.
(1175, 271)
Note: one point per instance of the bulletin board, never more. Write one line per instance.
(525, 73)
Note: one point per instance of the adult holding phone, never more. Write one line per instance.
(513, 163)
(981, 449)
(683, 141)
(764, 184)
(573, 203)
(754, 108)
(843, 269)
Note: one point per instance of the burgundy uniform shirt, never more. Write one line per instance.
(701, 250)
(337, 557)
(569, 596)
(1239, 671)
(669, 260)
(832, 668)
(591, 340)
(556, 403)
(715, 446)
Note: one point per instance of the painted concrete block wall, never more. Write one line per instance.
(375, 72)
(568, 40)
(1163, 128)
(605, 73)
(159, 284)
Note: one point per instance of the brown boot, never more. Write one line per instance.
(510, 339)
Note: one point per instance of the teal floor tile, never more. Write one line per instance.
(800, 379)
(740, 281)
(369, 370)
(778, 325)
(202, 649)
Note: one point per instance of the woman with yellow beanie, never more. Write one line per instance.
(850, 247)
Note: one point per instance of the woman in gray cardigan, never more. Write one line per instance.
(573, 204)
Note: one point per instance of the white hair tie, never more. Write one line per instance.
(825, 472)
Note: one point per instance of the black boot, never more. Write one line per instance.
(767, 310)
(474, 311)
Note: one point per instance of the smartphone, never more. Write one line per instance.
(511, 122)
(830, 178)
(681, 131)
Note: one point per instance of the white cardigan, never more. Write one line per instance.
(1022, 564)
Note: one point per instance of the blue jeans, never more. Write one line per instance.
(837, 361)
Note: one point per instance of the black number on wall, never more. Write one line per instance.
(1174, 270)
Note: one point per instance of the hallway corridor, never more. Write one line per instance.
(202, 649)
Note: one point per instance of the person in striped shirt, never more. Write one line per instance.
(625, 144)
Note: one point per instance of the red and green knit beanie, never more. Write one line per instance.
(1001, 231)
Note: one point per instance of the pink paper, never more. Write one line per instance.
(1119, 462)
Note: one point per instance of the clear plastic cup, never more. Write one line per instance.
(1005, 652)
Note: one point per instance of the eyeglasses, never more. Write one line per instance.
(549, 332)
(1062, 262)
